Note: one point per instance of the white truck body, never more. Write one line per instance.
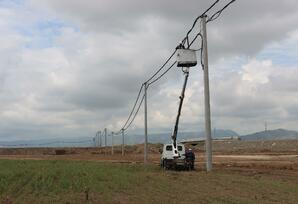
(169, 158)
(168, 151)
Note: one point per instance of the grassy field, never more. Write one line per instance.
(71, 181)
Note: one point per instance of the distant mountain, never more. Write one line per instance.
(278, 134)
(130, 139)
(67, 142)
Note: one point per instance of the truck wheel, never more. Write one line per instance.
(164, 165)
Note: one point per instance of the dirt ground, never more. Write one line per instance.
(254, 172)
(279, 157)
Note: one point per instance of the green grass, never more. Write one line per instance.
(53, 179)
(67, 181)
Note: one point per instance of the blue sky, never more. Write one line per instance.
(283, 52)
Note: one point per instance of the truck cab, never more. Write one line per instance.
(169, 158)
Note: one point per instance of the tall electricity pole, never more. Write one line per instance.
(208, 142)
(122, 142)
(112, 143)
(145, 120)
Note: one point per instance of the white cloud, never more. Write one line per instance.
(88, 74)
(257, 72)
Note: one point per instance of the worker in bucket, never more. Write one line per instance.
(190, 156)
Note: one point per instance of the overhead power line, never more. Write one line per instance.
(218, 13)
(138, 97)
(196, 20)
(152, 79)
(162, 74)
(194, 39)
(136, 113)
(184, 40)
(166, 62)
(133, 108)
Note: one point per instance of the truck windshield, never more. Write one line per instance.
(179, 148)
(169, 148)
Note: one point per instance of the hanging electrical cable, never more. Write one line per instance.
(196, 20)
(134, 106)
(151, 79)
(218, 13)
(184, 40)
(136, 113)
(166, 62)
(159, 77)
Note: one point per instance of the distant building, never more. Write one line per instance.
(196, 141)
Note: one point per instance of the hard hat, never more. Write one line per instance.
(189, 149)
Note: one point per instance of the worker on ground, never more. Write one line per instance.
(190, 156)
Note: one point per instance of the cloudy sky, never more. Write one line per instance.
(71, 67)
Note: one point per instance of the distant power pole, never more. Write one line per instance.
(112, 143)
(146, 131)
(122, 142)
(100, 139)
(266, 129)
(208, 142)
(95, 139)
(94, 142)
(105, 130)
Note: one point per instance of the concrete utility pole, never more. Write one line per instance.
(94, 142)
(100, 140)
(208, 142)
(122, 142)
(146, 131)
(105, 141)
(112, 143)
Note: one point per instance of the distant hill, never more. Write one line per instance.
(129, 139)
(278, 134)
(67, 142)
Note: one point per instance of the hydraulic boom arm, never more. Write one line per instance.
(174, 135)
